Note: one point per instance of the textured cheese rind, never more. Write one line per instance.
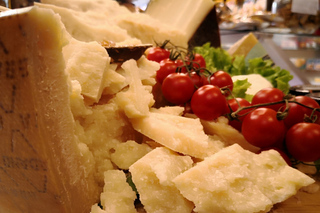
(117, 195)
(87, 63)
(41, 169)
(180, 134)
(237, 180)
(153, 175)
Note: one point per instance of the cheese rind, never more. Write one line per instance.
(41, 166)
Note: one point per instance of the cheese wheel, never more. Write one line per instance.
(40, 162)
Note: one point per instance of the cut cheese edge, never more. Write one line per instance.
(185, 15)
(153, 175)
(232, 179)
(180, 134)
(243, 46)
(41, 168)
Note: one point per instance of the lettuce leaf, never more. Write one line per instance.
(219, 59)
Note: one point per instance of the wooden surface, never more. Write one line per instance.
(301, 202)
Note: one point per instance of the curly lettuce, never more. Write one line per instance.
(220, 59)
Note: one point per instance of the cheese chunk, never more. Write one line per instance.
(243, 46)
(227, 133)
(256, 80)
(137, 100)
(187, 18)
(153, 175)
(41, 167)
(117, 195)
(180, 134)
(106, 20)
(128, 153)
(236, 180)
(87, 63)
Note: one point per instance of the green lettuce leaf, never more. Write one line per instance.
(219, 59)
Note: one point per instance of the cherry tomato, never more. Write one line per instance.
(234, 105)
(157, 54)
(297, 112)
(181, 66)
(222, 79)
(208, 103)
(167, 67)
(303, 141)
(196, 79)
(199, 61)
(177, 88)
(268, 95)
(261, 127)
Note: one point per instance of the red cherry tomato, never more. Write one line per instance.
(268, 95)
(177, 88)
(157, 54)
(303, 141)
(167, 67)
(196, 79)
(199, 61)
(261, 127)
(208, 103)
(234, 105)
(181, 66)
(222, 79)
(297, 112)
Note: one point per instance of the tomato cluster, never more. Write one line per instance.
(270, 120)
(290, 125)
(185, 81)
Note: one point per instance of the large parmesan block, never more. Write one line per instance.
(153, 175)
(41, 169)
(237, 180)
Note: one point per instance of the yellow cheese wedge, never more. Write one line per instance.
(41, 169)
(244, 45)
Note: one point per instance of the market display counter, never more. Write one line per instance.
(300, 54)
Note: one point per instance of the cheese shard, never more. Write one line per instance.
(153, 175)
(243, 46)
(88, 64)
(227, 133)
(184, 15)
(117, 195)
(41, 168)
(237, 180)
(180, 134)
